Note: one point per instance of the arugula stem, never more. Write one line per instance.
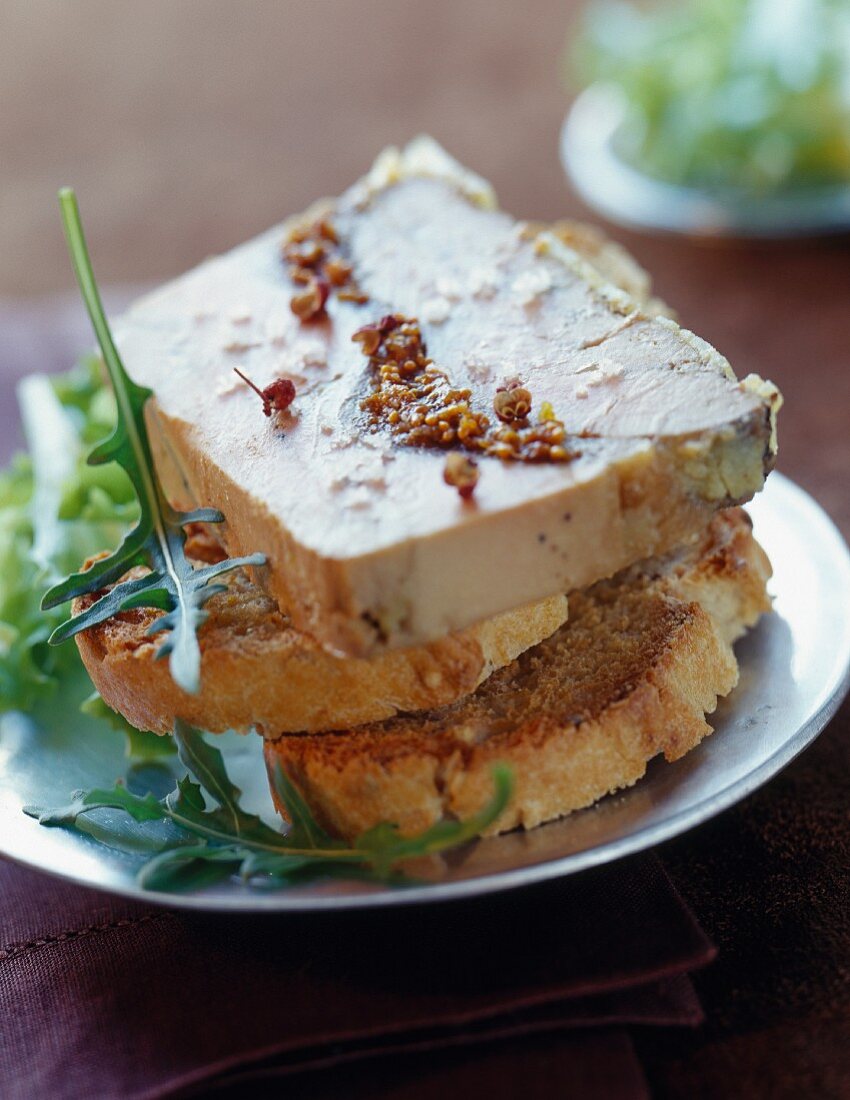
(173, 584)
(84, 271)
(352, 855)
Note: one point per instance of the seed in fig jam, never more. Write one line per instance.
(512, 403)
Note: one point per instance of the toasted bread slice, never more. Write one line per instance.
(258, 671)
(633, 673)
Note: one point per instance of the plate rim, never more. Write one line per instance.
(648, 836)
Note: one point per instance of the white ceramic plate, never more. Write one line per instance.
(628, 197)
(795, 669)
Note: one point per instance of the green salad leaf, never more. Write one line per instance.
(217, 838)
(118, 798)
(169, 582)
(55, 511)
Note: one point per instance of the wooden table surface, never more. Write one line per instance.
(188, 127)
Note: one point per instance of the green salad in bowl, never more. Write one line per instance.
(747, 93)
(745, 102)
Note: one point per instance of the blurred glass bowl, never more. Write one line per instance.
(628, 197)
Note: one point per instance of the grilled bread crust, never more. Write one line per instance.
(641, 661)
(258, 671)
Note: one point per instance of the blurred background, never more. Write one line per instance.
(188, 127)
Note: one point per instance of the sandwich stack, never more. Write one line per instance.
(497, 488)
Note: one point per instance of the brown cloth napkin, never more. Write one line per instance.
(100, 996)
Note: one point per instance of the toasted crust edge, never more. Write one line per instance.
(257, 671)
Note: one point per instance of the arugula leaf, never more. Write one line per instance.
(276, 866)
(186, 806)
(145, 808)
(217, 838)
(172, 585)
(387, 847)
(192, 867)
(206, 764)
(304, 831)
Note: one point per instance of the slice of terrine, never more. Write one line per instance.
(479, 420)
